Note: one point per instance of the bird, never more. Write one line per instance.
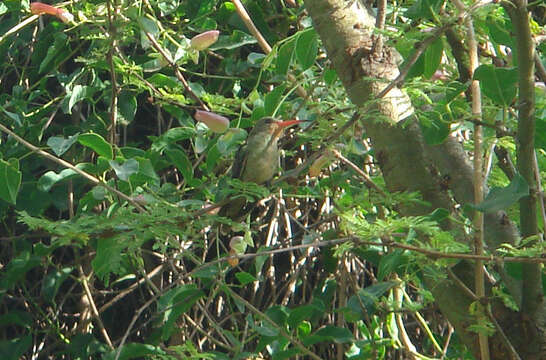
(258, 160)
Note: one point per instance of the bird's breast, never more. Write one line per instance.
(261, 165)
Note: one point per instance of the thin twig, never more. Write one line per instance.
(243, 14)
(177, 72)
(365, 176)
(94, 308)
(281, 330)
(68, 165)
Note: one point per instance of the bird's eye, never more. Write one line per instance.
(268, 120)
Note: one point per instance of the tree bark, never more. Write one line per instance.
(408, 164)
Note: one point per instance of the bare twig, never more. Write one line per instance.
(68, 165)
(94, 308)
(243, 14)
(177, 72)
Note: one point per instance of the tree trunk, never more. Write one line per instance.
(408, 164)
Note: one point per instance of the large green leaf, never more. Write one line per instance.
(368, 298)
(55, 53)
(53, 281)
(233, 41)
(97, 144)
(273, 99)
(50, 178)
(284, 57)
(60, 145)
(174, 303)
(502, 198)
(307, 48)
(14, 349)
(329, 333)
(125, 170)
(498, 84)
(127, 105)
(179, 159)
(433, 58)
(435, 129)
(10, 180)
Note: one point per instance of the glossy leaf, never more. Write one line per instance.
(127, 104)
(53, 281)
(174, 303)
(499, 84)
(284, 57)
(435, 129)
(307, 48)
(50, 178)
(502, 198)
(60, 145)
(125, 170)
(97, 144)
(10, 180)
(433, 58)
(179, 159)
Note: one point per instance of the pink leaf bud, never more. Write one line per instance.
(215, 122)
(38, 8)
(204, 40)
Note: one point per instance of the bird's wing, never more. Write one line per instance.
(239, 163)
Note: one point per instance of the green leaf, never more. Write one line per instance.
(75, 95)
(272, 100)
(53, 281)
(424, 9)
(135, 351)
(435, 129)
(230, 140)
(172, 136)
(368, 298)
(108, 257)
(499, 30)
(329, 333)
(16, 317)
(284, 57)
(55, 53)
(148, 25)
(300, 314)
(97, 144)
(167, 7)
(17, 269)
(307, 48)
(10, 180)
(60, 145)
(160, 80)
(390, 262)
(498, 84)
(146, 173)
(125, 170)
(14, 349)
(433, 57)
(245, 277)
(502, 198)
(174, 303)
(179, 159)
(127, 104)
(50, 178)
(233, 41)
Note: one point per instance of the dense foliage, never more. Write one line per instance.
(111, 245)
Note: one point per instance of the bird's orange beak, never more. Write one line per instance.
(287, 123)
(284, 124)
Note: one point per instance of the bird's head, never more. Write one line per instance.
(273, 126)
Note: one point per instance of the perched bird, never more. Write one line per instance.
(258, 160)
